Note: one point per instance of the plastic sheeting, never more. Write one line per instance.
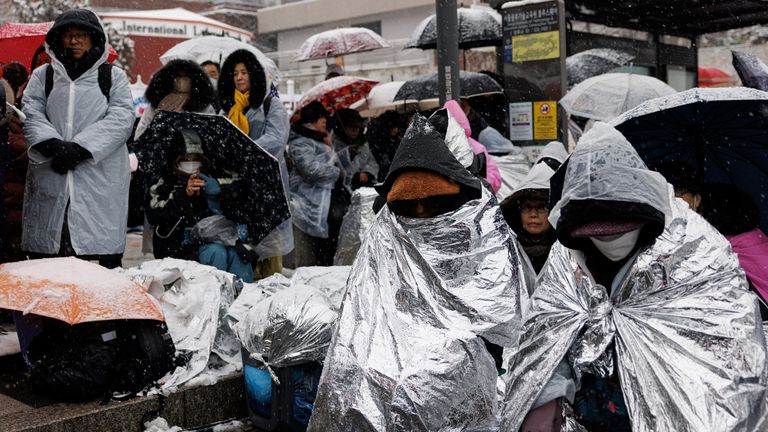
(285, 322)
(357, 221)
(513, 169)
(406, 355)
(606, 96)
(689, 347)
(195, 299)
(615, 172)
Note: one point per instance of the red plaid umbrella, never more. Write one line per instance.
(336, 93)
(18, 42)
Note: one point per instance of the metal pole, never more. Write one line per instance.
(446, 21)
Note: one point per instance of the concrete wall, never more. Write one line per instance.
(720, 57)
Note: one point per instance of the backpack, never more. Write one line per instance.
(105, 79)
(90, 360)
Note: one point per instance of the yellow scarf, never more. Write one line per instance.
(237, 112)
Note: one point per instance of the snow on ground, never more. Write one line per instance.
(160, 425)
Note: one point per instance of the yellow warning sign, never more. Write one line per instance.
(536, 46)
(545, 120)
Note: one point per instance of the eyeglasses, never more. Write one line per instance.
(76, 35)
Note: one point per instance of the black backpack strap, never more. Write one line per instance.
(48, 79)
(105, 79)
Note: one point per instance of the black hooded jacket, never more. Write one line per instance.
(423, 147)
(161, 85)
(87, 20)
(226, 86)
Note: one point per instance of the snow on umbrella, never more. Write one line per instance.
(19, 41)
(593, 62)
(382, 99)
(229, 150)
(752, 71)
(338, 42)
(216, 49)
(606, 96)
(425, 87)
(721, 132)
(477, 28)
(73, 291)
(336, 93)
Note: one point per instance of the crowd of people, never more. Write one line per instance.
(554, 288)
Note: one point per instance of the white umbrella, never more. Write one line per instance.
(606, 96)
(216, 49)
(381, 100)
(338, 42)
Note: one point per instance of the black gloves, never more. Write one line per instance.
(68, 157)
(246, 252)
(49, 147)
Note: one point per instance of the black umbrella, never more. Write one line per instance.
(721, 132)
(477, 28)
(594, 62)
(425, 87)
(264, 205)
(752, 71)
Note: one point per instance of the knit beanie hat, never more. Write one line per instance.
(420, 184)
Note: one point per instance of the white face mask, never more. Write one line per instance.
(189, 167)
(616, 247)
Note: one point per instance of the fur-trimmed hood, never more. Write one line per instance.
(161, 85)
(226, 86)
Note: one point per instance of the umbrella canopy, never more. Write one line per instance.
(712, 76)
(721, 132)
(73, 291)
(229, 150)
(19, 41)
(477, 28)
(336, 93)
(594, 62)
(606, 96)
(425, 87)
(338, 42)
(382, 99)
(216, 49)
(752, 71)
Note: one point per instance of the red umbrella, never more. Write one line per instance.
(336, 93)
(18, 42)
(712, 76)
(338, 42)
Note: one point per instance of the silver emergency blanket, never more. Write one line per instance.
(405, 355)
(689, 346)
(284, 322)
(355, 225)
(195, 299)
(513, 169)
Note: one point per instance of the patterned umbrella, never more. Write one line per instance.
(339, 42)
(336, 93)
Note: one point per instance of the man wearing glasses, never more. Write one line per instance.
(79, 116)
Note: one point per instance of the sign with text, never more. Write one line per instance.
(534, 66)
(171, 29)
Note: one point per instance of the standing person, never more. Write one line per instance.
(492, 174)
(17, 75)
(15, 179)
(640, 306)
(682, 177)
(247, 99)
(211, 69)
(360, 167)
(315, 171)
(5, 115)
(76, 199)
(179, 86)
(383, 135)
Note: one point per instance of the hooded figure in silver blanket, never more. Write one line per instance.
(641, 319)
(436, 281)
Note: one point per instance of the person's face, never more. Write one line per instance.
(212, 71)
(693, 199)
(242, 78)
(533, 215)
(352, 132)
(78, 40)
(320, 124)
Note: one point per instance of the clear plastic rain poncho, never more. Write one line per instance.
(680, 327)
(357, 221)
(406, 355)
